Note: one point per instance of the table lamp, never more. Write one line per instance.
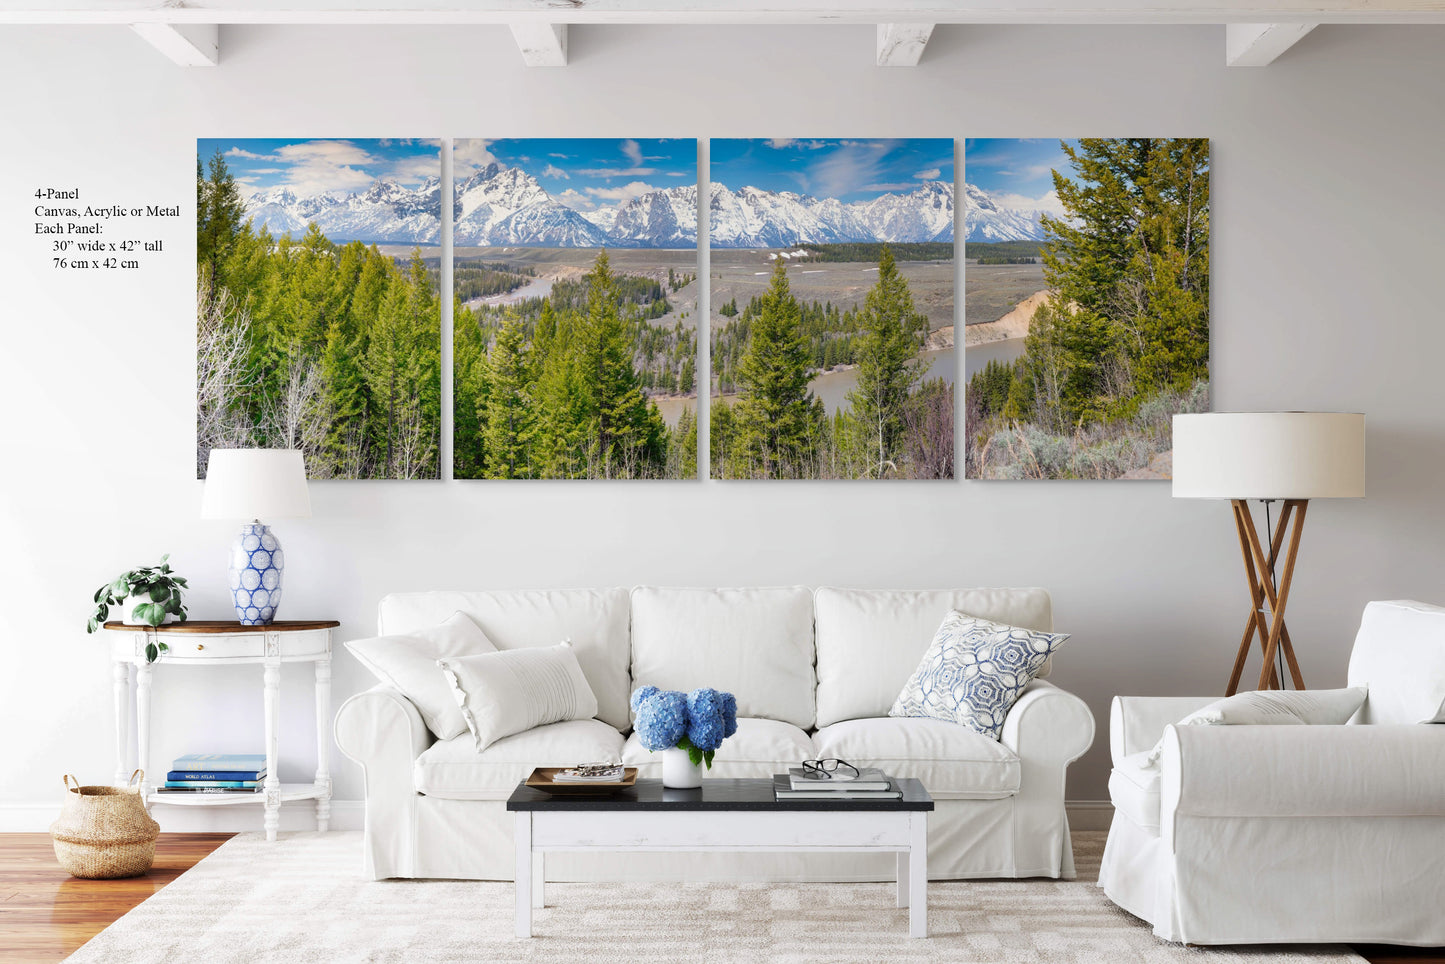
(1270, 456)
(252, 484)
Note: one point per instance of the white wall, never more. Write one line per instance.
(1326, 251)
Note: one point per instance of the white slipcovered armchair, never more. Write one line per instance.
(1271, 834)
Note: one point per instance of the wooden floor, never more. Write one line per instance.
(45, 914)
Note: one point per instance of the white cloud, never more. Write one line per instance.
(633, 151)
(1048, 203)
(852, 166)
(778, 143)
(247, 155)
(552, 170)
(326, 167)
(575, 200)
(932, 174)
(623, 193)
(609, 172)
(471, 154)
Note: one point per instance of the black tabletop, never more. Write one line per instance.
(715, 794)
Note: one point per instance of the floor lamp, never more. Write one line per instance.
(1289, 457)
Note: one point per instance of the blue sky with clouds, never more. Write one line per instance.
(1018, 172)
(587, 172)
(312, 166)
(848, 170)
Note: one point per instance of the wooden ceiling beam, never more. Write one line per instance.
(456, 12)
(542, 44)
(188, 44)
(901, 44)
(1258, 44)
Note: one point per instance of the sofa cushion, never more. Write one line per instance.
(595, 620)
(754, 643)
(1134, 790)
(454, 770)
(409, 664)
(509, 692)
(953, 763)
(870, 641)
(1400, 655)
(758, 749)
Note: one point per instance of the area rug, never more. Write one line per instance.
(302, 900)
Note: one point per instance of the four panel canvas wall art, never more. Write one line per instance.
(575, 291)
(1086, 304)
(832, 309)
(575, 338)
(318, 322)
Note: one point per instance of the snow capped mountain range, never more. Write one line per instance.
(986, 220)
(499, 205)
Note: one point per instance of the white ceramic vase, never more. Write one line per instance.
(678, 770)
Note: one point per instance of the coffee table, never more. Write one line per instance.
(730, 816)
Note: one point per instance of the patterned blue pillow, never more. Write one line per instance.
(974, 671)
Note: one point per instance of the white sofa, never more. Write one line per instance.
(814, 674)
(1270, 834)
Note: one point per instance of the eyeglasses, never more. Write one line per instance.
(829, 769)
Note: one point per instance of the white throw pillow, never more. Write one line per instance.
(1274, 708)
(514, 690)
(409, 663)
(973, 672)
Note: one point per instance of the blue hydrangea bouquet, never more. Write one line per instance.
(697, 722)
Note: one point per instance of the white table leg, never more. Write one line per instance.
(523, 839)
(143, 725)
(120, 687)
(918, 874)
(323, 743)
(539, 880)
(902, 879)
(272, 676)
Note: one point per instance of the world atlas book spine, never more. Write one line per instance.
(215, 775)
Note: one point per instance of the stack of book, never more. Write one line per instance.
(216, 773)
(871, 783)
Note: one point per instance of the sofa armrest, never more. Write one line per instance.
(380, 726)
(1048, 725)
(1137, 722)
(1302, 771)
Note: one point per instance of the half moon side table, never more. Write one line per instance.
(223, 643)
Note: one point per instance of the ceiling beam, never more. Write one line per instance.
(188, 44)
(542, 44)
(901, 44)
(1258, 44)
(456, 12)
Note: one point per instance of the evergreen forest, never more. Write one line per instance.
(333, 349)
(1122, 344)
(896, 423)
(559, 387)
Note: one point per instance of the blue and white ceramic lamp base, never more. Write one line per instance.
(255, 574)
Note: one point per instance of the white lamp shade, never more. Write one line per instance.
(255, 484)
(1269, 455)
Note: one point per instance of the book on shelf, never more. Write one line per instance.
(227, 784)
(211, 762)
(191, 775)
(169, 789)
(868, 778)
(783, 790)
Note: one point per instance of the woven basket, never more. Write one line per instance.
(105, 832)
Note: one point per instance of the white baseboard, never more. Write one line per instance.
(348, 815)
(345, 815)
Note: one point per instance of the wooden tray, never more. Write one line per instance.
(541, 779)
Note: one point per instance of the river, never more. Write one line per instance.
(536, 288)
(833, 387)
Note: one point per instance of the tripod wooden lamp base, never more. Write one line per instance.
(1288, 457)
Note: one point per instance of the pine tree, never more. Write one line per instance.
(510, 412)
(888, 365)
(220, 217)
(774, 409)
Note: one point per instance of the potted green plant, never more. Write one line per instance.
(147, 596)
